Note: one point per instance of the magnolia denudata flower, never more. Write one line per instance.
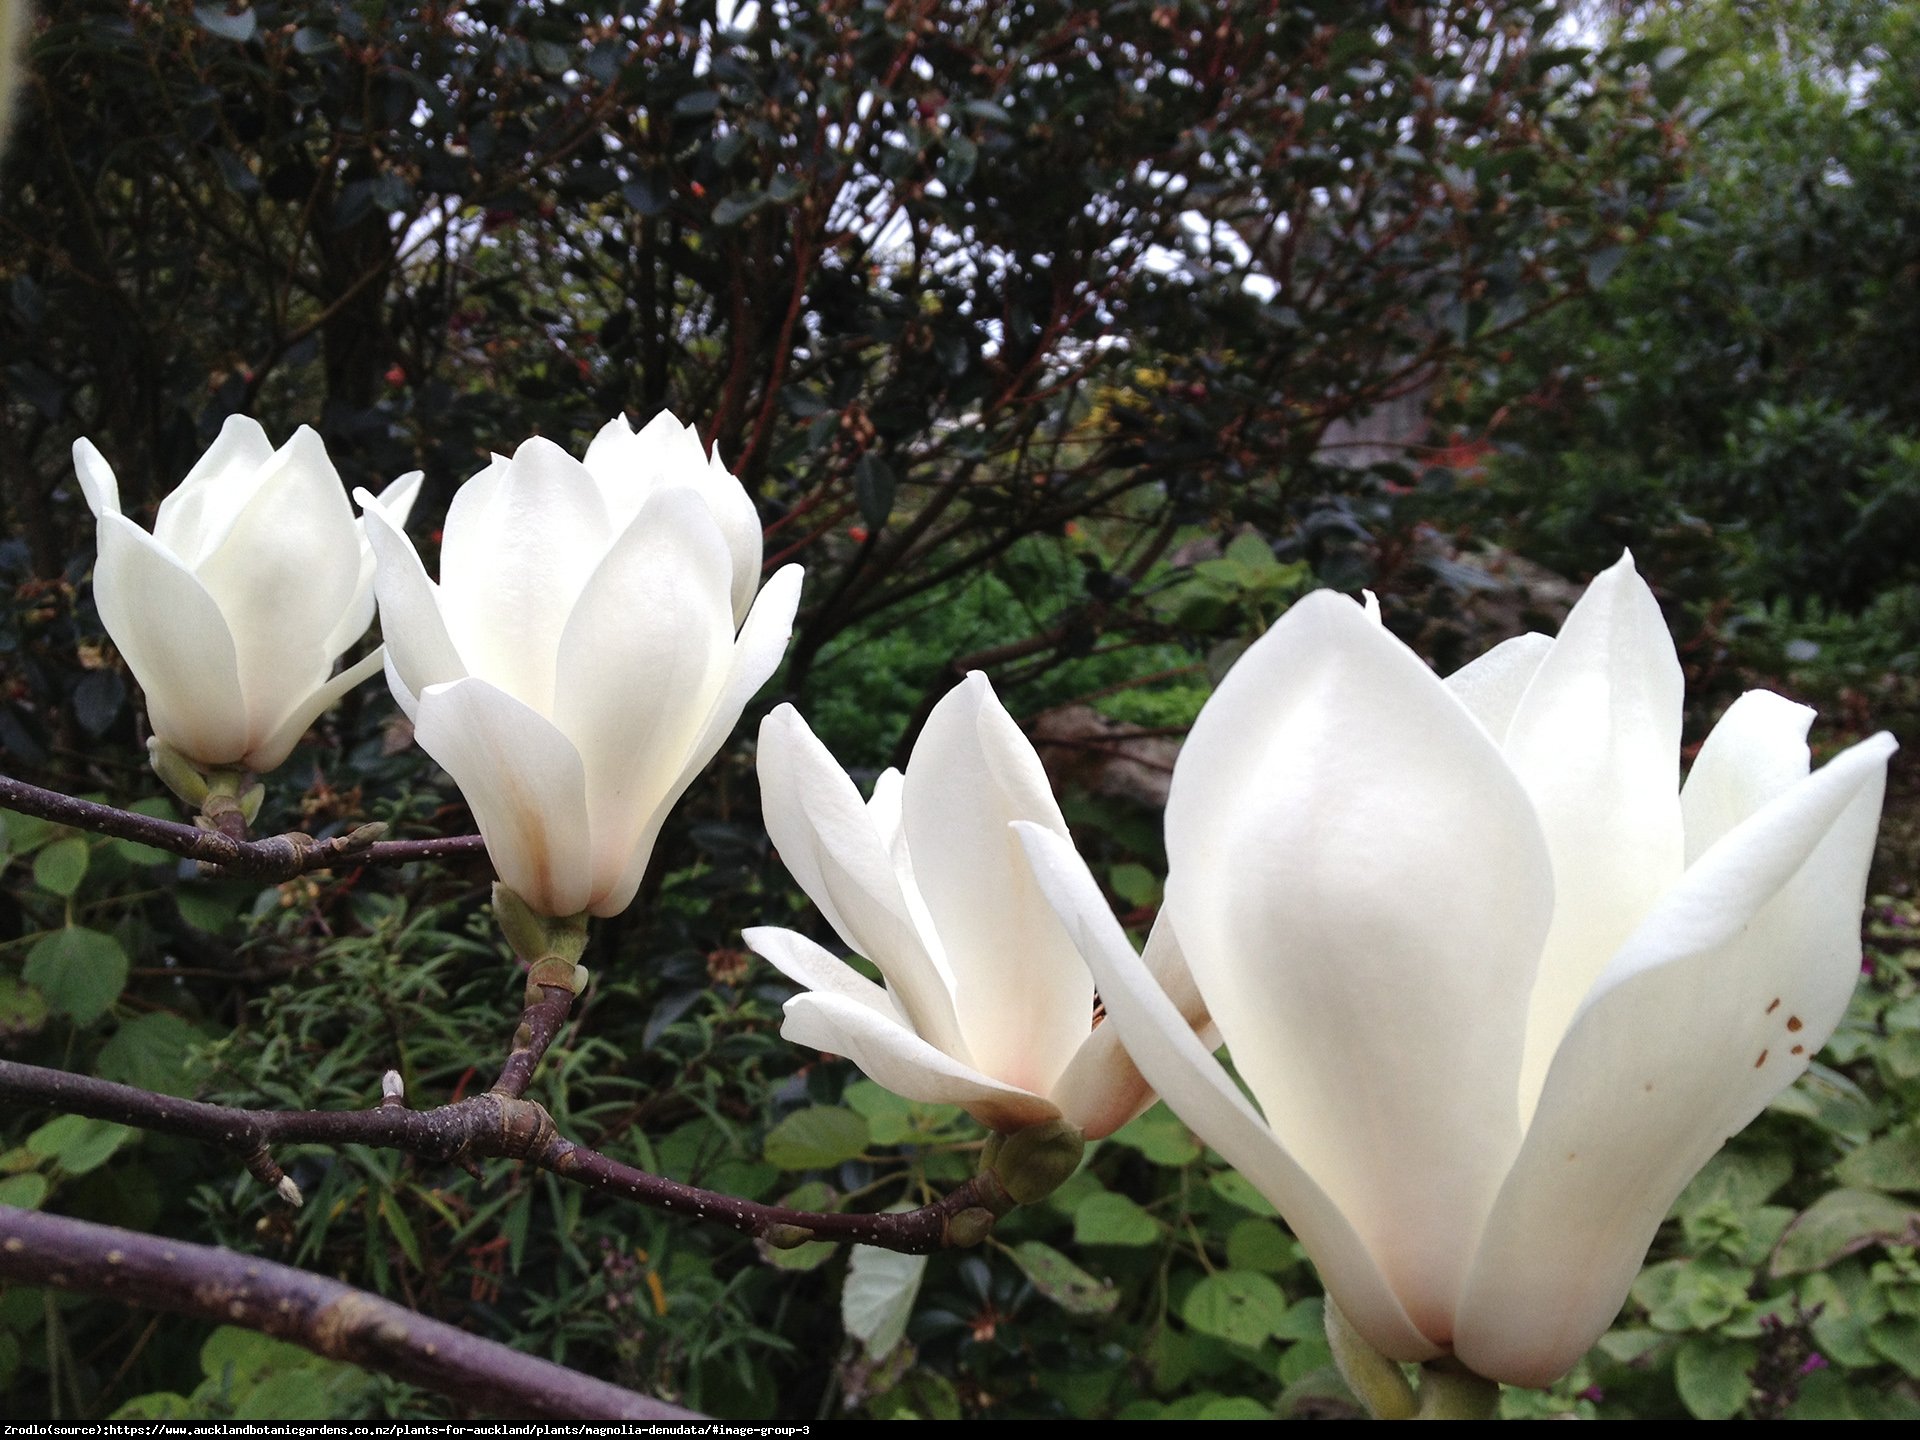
(592, 639)
(987, 1004)
(1499, 984)
(255, 580)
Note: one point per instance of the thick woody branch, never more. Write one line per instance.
(274, 857)
(505, 1126)
(539, 1023)
(323, 1315)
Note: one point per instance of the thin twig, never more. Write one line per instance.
(275, 857)
(323, 1315)
(496, 1125)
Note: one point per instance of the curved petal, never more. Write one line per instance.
(1361, 889)
(195, 517)
(271, 750)
(1491, 686)
(419, 650)
(1756, 752)
(890, 1054)
(1596, 741)
(817, 968)
(815, 819)
(631, 466)
(176, 642)
(640, 660)
(397, 503)
(1021, 991)
(756, 655)
(525, 784)
(514, 559)
(1198, 1090)
(284, 575)
(1103, 1089)
(97, 480)
(1714, 1006)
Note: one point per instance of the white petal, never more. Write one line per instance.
(513, 561)
(1361, 890)
(1199, 1091)
(1491, 686)
(271, 750)
(196, 516)
(283, 575)
(397, 502)
(1714, 1006)
(525, 784)
(1102, 1089)
(756, 655)
(1596, 741)
(817, 968)
(419, 651)
(1757, 751)
(1021, 991)
(97, 480)
(175, 641)
(640, 661)
(893, 1056)
(814, 816)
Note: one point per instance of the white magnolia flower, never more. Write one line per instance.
(255, 580)
(1499, 985)
(593, 638)
(987, 1004)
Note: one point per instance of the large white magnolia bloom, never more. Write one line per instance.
(1498, 983)
(987, 1004)
(591, 642)
(255, 580)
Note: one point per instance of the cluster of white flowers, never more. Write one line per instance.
(1497, 982)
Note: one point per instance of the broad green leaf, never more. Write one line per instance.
(1897, 1338)
(1261, 1245)
(1064, 1282)
(878, 1296)
(60, 867)
(81, 972)
(149, 1051)
(817, 1138)
(1234, 1188)
(78, 1143)
(1160, 1137)
(1840, 1223)
(1712, 1375)
(1891, 1162)
(24, 1192)
(1110, 1219)
(1242, 1307)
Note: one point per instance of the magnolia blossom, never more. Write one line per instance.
(987, 1003)
(1499, 984)
(591, 642)
(255, 580)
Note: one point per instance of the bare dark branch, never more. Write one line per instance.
(323, 1315)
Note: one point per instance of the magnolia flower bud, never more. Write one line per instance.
(578, 662)
(987, 1004)
(231, 614)
(1499, 984)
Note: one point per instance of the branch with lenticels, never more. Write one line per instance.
(273, 857)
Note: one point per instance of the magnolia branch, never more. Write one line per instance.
(274, 857)
(497, 1125)
(323, 1315)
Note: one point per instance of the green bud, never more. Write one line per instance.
(1034, 1162)
(787, 1237)
(177, 773)
(1377, 1382)
(535, 938)
(1450, 1391)
(970, 1226)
